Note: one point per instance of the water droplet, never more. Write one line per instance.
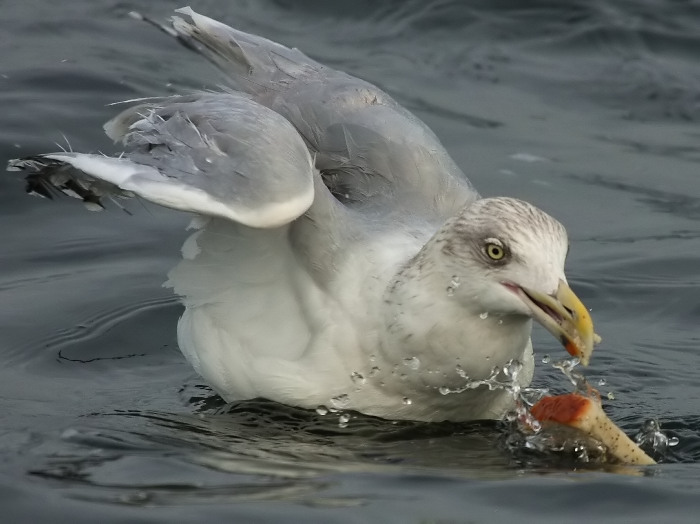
(650, 426)
(343, 420)
(581, 453)
(412, 363)
(546, 359)
(340, 401)
(484, 315)
(454, 284)
(372, 357)
(512, 369)
(358, 378)
(567, 366)
(403, 376)
(651, 436)
(500, 321)
(444, 390)
(611, 395)
(602, 382)
(532, 396)
(322, 410)
(374, 371)
(407, 401)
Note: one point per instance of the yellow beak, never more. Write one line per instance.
(565, 317)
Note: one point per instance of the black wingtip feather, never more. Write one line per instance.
(47, 177)
(36, 185)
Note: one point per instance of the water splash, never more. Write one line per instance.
(531, 396)
(651, 438)
(567, 366)
(343, 420)
(506, 378)
(585, 448)
(565, 442)
(528, 433)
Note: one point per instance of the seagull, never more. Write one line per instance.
(341, 259)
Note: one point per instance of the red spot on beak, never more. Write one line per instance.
(572, 349)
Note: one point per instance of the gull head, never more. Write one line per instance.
(505, 257)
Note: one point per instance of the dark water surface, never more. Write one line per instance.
(588, 109)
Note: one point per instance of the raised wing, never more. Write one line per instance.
(215, 154)
(367, 146)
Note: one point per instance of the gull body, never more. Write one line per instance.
(340, 258)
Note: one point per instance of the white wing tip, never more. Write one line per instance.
(187, 10)
(276, 214)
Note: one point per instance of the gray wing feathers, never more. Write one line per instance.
(247, 156)
(216, 154)
(366, 144)
(238, 54)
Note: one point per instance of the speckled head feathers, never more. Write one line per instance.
(521, 226)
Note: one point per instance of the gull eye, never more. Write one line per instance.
(495, 251)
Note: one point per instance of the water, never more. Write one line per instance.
(587, 109)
